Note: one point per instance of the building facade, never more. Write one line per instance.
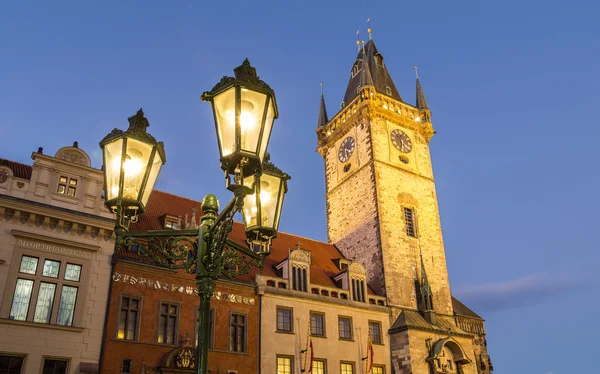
(318, 313)
(56, 241)
(153, 313)
(382, 210)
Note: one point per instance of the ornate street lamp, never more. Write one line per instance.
(132, 161)
(244, 110)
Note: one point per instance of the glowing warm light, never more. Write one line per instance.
(121, 335)
(247, 121)
(115, 190)
(265, 197)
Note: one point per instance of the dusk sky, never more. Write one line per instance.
(513, 87)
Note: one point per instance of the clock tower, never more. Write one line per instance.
(382, 211)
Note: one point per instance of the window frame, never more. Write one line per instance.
(351, 363)
(415, 226)
(324, 335)
(67, 185)
(229, 342)
(138, 319)
(17, 355)
(56, 358)
(291, 310)
(382, 367)
(14, 274)
(291, 358)
(340, 337)
(380, 327)
(177, 317)
(324, 361)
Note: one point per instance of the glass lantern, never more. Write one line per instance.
(262, 209)
(132, 161)
(244, 110)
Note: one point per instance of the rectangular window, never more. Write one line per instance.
(237, 332)
(129, 318)
(40, 284)
(377, 369)
(284, 364)
(126, 367)
(67, 186)
(345, 327)
(358, 290)
(317, 324)
(375, 332)
(171, 225)
(211, 328)
(167, 324)
(11, 364)
(55, 366)
(284, 319)
(409, 221)
(347, 368)
(319, 367)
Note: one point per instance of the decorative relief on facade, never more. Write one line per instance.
(172, 287)
(299, 255)
(355, 267)
(3, 176)
(186, 359)
(74, 156)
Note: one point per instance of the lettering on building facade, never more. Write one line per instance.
(54, 248)
(172, 287)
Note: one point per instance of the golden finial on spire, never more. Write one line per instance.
(369, 30)
(358, 39)
(416, 71)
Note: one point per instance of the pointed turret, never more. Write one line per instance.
(369, 69)
(421, 103)
(323, 119)
(425, 288)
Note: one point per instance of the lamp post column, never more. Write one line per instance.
(205, 281)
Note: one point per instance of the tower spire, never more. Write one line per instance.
(366, 79)
(322, 121)
(421, 103)
(426, 294)
(369, 30)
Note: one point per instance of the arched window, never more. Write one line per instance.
(356, 67)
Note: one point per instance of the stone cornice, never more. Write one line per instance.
(34, 207)
(66, 164)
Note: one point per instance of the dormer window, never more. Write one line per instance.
(358, 290)
(356, 67)
(379, 59)
(388, 91)
(299, 281)
(170, 224)
(67, 186)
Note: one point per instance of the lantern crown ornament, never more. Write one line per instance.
(132, 161)
(244, 109)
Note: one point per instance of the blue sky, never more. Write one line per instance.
(513, 87)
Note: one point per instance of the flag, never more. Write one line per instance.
(309, 346)
(369, 358)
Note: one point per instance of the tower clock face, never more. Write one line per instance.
(346, 149)
(401, 141)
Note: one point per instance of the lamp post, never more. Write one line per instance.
(244, 110)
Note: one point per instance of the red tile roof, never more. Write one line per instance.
(322, 254)
(161, 203)
(19, 170)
